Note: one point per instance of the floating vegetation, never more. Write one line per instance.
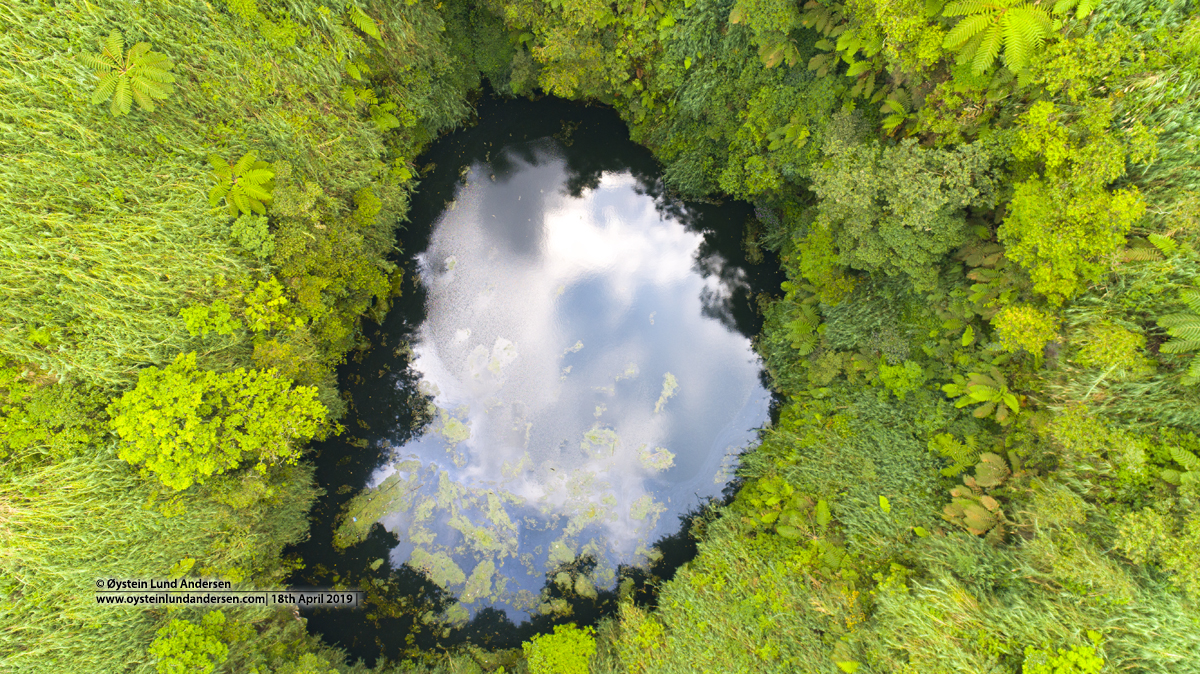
(453, 430)
(631, 371)
(393, 495)
(646, 507)
(512, 469)
(479, 585)
(501, 475)
(600, 441)
(584, 587)
(657, 459)
(440, 568)
(670, 385)
(561, 552)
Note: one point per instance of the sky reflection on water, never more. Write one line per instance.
(583, 394)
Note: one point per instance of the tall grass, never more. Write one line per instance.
(65, 525)
(106, 230)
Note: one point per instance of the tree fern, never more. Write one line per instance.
(991, 390)
(137, 75)
(1184, 329)
(245, 186)
(803, 329)
(1019, 28)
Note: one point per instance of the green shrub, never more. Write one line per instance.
(566, 651)
(183, 647)
(1025, 328)
(185, 424)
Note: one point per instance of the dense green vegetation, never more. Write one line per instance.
(989, 214)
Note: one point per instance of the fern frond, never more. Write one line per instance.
(965, 30)
(1164, 243)
(217, 193)
(1187, 331)
(121, 99)
(1193, 373)
(1186, 459)
(1180, 346)
(1140, 255)
(255, 191)
(137, 51)
(1017, 46)
(143, 99)
(1176, 319)
(1082, 7)
(220, 167)
(113, 47)
(965, 8)
(95, 62)
(1192, 299)
(106, 88)
(243, 165)
(988, 49)
(256, 176)
(363, 21)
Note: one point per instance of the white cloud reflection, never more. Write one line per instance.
(541, 449)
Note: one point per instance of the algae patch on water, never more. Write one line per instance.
(453, 430)
(394, 494)
(600, 441)
(439, 566)
(657, 459)
(669, 387)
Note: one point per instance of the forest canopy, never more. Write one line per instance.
(987, 349)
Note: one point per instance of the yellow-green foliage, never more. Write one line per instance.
(245, 186)
(1184, 329)
(566, 651)
(137, 75)
(186, 424)
(1019, 26)
(40, 421)
(990, 390)
(1063, 223)
(754, 604)
(183, 647)
(897, 208)
(1154, 537)
(1074, 660)
(901, 379)
(1107, 345)
(1025, 328)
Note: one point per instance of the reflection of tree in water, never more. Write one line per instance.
(512, 133)
(404, 606)
(404, 611)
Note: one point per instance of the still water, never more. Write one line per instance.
(569, 372)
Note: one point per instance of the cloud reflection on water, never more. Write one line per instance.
(539, 449)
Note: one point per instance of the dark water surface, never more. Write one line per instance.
(568, 373)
